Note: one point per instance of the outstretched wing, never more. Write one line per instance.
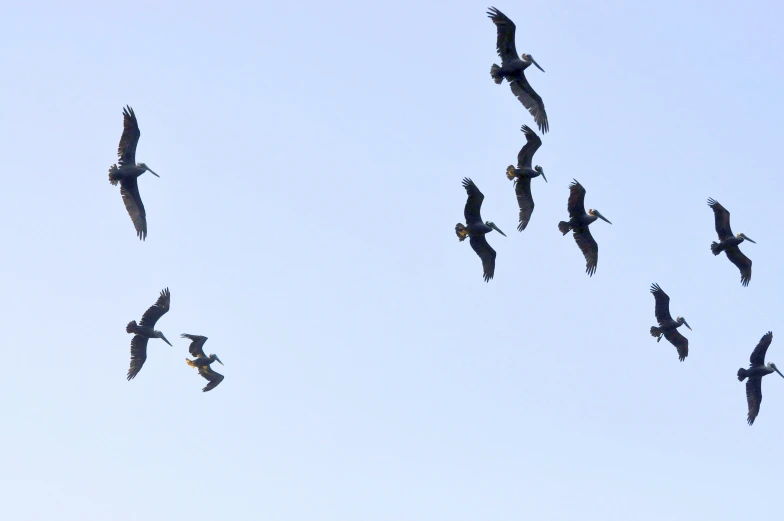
(680, 342)
(532, 143)
(473, 204)
(722, 217)
(758, 355)
(590, 249)
(486, 253)
(197, 345)
(530, 100)
(138, 355)
(157, 310)
(130, 138)
(576, 204)
(753, 397)
(505, 42)
(129, 188)
(211, 376)
(742, 262)
(524, 200)
(662, 304)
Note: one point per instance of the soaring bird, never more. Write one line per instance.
(579, 222)
(128, 172)
(144, 331)
(513, 68)
(202, 361)
(476, 229)
(523, 175)
(667, 326)
(757, 369)
(728, 243)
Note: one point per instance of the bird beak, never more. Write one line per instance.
(777, 370)
(164, 339)
(496, 228)
(218, 360)
(687, 325)
(543, 176)
(600, 216)
(755, 242)
(153, 173)
(537, 65)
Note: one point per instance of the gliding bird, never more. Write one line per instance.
(128, 172)
(579, 222)
(729, 243)
(143, 331)
(476, 229)
(513, 68)
(202, 361)
(667, 326)
(523, 173)
(754, 373)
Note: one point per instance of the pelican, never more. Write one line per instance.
(144, 331)
(523, 175)
(667, 326)
(513, 68)
(579, 222)
(128, 172)
(476, 229)
(202, 361)
(729, 243)
(757, 369)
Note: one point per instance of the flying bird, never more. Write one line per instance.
(513, 68)
(202, 362)
(757, 369)
(523, 174)
(127, 174)
(144, 330)
(579, 222)
(729, 243)
(667, 326)
(476, 229)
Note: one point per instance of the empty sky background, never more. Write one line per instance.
(310, 157)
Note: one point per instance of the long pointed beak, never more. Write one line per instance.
(687, 325)
(537, 65)
(153, 173)
(218, 360)
(602, 217)
(164, 339)
(544, 177)
(496, 228)
(755, 242)
(777, 370)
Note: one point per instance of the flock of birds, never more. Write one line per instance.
(512, 69)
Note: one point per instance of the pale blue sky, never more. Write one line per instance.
(310, 157)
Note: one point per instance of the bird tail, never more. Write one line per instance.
(114, 178)
(563, 227)
(461, 231)
(741, 374)
(716, 248)
(190, 363)
(495, 72)
(656, 331)
(131, 327)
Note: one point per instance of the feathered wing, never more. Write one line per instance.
(130, 138)
(211, 376)
(588, 246)
(722, 219)
(473, 205)
(138, 355)
(486, 253)
(662, 304)
(680, 342)
(532, 143)
(157, 310)
(758, 355)
(197, 345)
(753, 397)
(525, 201)
(530, 100)
(505, 42)
(576, 204)
(129, 188)
(742, 262)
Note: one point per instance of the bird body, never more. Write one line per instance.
(668, 328)
(578, 223)
(476, 229)
(757, 369)
(728, 243)
(145, 330)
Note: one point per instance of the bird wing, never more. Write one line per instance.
(576, 204)
(505, 42)
(211, 376)
(680, 342)
(662, 304)
(722, 217)
(138, 355)
(753, 397)
(588, 246)
(474, 203)
(524, 200)
(129, 188)
(157, 310)
(197, 345)
(486, 253)
(532, 143)
(530, 100)
(130, 138)
(758, 355)
(742, 262)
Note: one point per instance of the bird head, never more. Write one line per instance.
(743, 236)
(148, 169)
(773, 366)
(682, 320)
(510, 172)
(162, 337)
(496, 228)
(529, 58)
(215, 357)
(541, 172)
(596, 213)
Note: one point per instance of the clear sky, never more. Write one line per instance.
(310, 156)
